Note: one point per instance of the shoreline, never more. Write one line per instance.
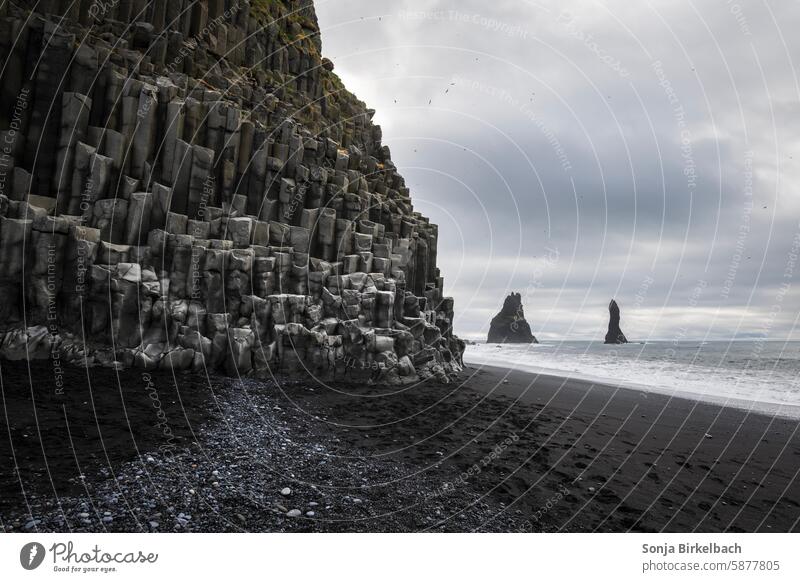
(500, 450)
(719, 467)
(753, 406)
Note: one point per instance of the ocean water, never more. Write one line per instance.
(759, 375)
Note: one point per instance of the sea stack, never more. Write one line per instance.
(509, 326)
(614, 335)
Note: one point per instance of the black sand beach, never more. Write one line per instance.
(498, 451)
(654, 463)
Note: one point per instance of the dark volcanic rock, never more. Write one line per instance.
(230, 206)
(509, 326)
(614, 335)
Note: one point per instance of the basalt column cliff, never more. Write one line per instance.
(187, 184)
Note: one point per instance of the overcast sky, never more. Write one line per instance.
(581, 151)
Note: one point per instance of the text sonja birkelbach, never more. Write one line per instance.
(691, 548)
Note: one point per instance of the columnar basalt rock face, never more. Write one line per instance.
(509, 326)
(614, 335)
(187, 184)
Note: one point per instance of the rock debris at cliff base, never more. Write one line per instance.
(230, 456)
(188, 185)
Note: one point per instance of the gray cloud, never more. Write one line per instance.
(650, 144)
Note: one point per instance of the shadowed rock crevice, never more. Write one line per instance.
(509, 326)
(614, 335)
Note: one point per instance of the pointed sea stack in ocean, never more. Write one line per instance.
(509, 326)
(614, 335)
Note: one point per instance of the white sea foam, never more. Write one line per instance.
(763, 376)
